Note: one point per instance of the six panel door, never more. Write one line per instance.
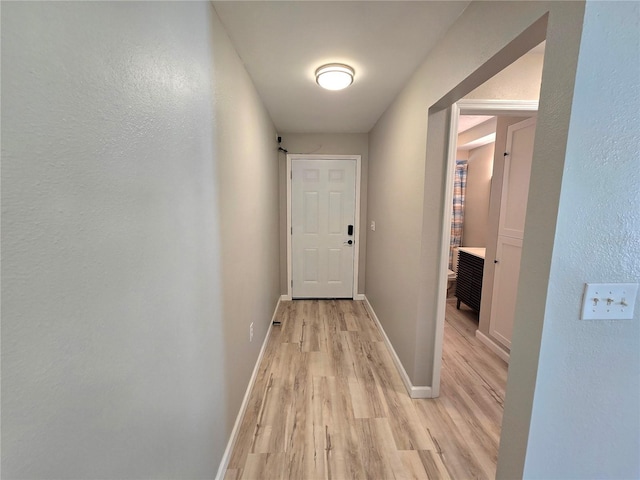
(322, 208)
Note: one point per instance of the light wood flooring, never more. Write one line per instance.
(329, 403)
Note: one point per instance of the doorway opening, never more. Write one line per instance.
(323, 215)
(454, 107)
(476, 248)
(516, 110)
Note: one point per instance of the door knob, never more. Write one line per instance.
(348, 242)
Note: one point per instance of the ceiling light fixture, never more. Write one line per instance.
(334, 76)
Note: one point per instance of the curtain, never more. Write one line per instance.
(457, 217)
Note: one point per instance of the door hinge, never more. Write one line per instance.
(291, 174)
(291, 230)
(292, 283)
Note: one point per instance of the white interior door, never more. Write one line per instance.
(513, 207)
(323, 199)
(505, 289)
(515, 182)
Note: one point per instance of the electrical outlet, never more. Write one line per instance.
(251, 332)
(609, 301)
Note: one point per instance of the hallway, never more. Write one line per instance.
(329, 403)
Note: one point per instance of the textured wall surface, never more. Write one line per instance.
(519, 81)
(586, 414)
(125, 351)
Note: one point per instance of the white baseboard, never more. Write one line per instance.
(224, 463)
(421, 392)
(357, 296)
(492, 345)
(414, 391)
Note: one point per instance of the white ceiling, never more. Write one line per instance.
(283, 42)
(465, 122)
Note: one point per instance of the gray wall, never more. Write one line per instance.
(330, 144)
(139, 239)
(586, 415)
(582, 224)
(407, 173)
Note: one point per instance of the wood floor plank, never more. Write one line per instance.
(264, 465)
(375, 447)
(451, 445)
(367, 400)
(413, 467)
(319, 364)
(342, 446)
(407, 431)
(232, 474)
(329, 403)
(315, 441)
(434, 466)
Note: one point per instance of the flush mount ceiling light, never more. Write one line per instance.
(334, 76)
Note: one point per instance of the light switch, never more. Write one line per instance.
(609, 301)
(373, 225)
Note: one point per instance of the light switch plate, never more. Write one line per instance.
(609, 301)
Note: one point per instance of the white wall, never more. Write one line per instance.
(476, 208)
(462, 155)
(479, 170)
(330, 144)
(519, 81)
(586, 413)
(139, 238)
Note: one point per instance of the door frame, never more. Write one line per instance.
(356, 252)
(462, 107)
